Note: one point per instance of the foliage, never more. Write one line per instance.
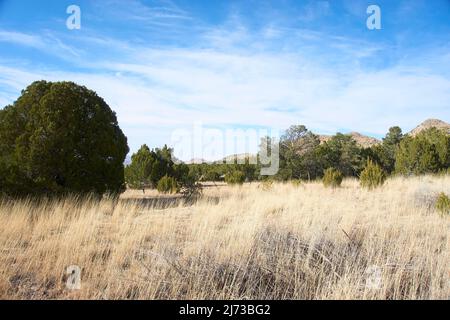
(342, 153)
(181, 172)
(372, 176)
(297, 154)
(428, 152)
(137, 174)
(167, 185)
(60, 138)
(332, 178)
(217, 171)
(191, 188)
(211, 175)
(386, 151)
(443, 204)
(393, 137)
(149, 166)
(235, 177)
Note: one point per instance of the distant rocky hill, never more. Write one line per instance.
(228, 159)
(197, 161)
(361, 140)
(240, 157)
(431, 123)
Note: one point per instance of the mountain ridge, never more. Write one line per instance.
(430, 123)
(361, 140)
(368, 141)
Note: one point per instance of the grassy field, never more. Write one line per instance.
(254, 242)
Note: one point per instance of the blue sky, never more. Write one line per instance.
(163, 65)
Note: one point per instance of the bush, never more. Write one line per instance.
(61, 138)
(211, 176)
(428, 152)
(372, 176)
(235, 177)
(167, 185)
(332, 178)
(443, 204)
(191, 188)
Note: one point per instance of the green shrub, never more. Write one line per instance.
(235, 177)
(372, 176)
(190, 187)
(427, 152)
(167, 185)
(332, 178)
(443, 204)
(211, 176)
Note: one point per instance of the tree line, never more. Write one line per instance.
(59, 138)
(304, 157)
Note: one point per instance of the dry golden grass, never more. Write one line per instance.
(278, 242)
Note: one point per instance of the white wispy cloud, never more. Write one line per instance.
(177, 87)
(22, 39)
(46, 42)
(236, 77)
(156, 13)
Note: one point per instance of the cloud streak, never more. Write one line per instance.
(234, 76)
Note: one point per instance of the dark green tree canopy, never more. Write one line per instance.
(393, 137)
(61, 137)
(342, 153)
(149, 166)
(297, 147)
(137, 173)
(384, 153)
(428, 152)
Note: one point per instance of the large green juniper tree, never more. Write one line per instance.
(57, 138)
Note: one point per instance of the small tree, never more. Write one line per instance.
(137, 173)
(332, 178)
(384, 153)
(191, 188)
(235, 177)
(341, 152)
(297, 158)
(167, 185)
(147, 167)
(372, 176)
(428, 152)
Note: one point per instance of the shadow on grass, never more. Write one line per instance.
(158, 202)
